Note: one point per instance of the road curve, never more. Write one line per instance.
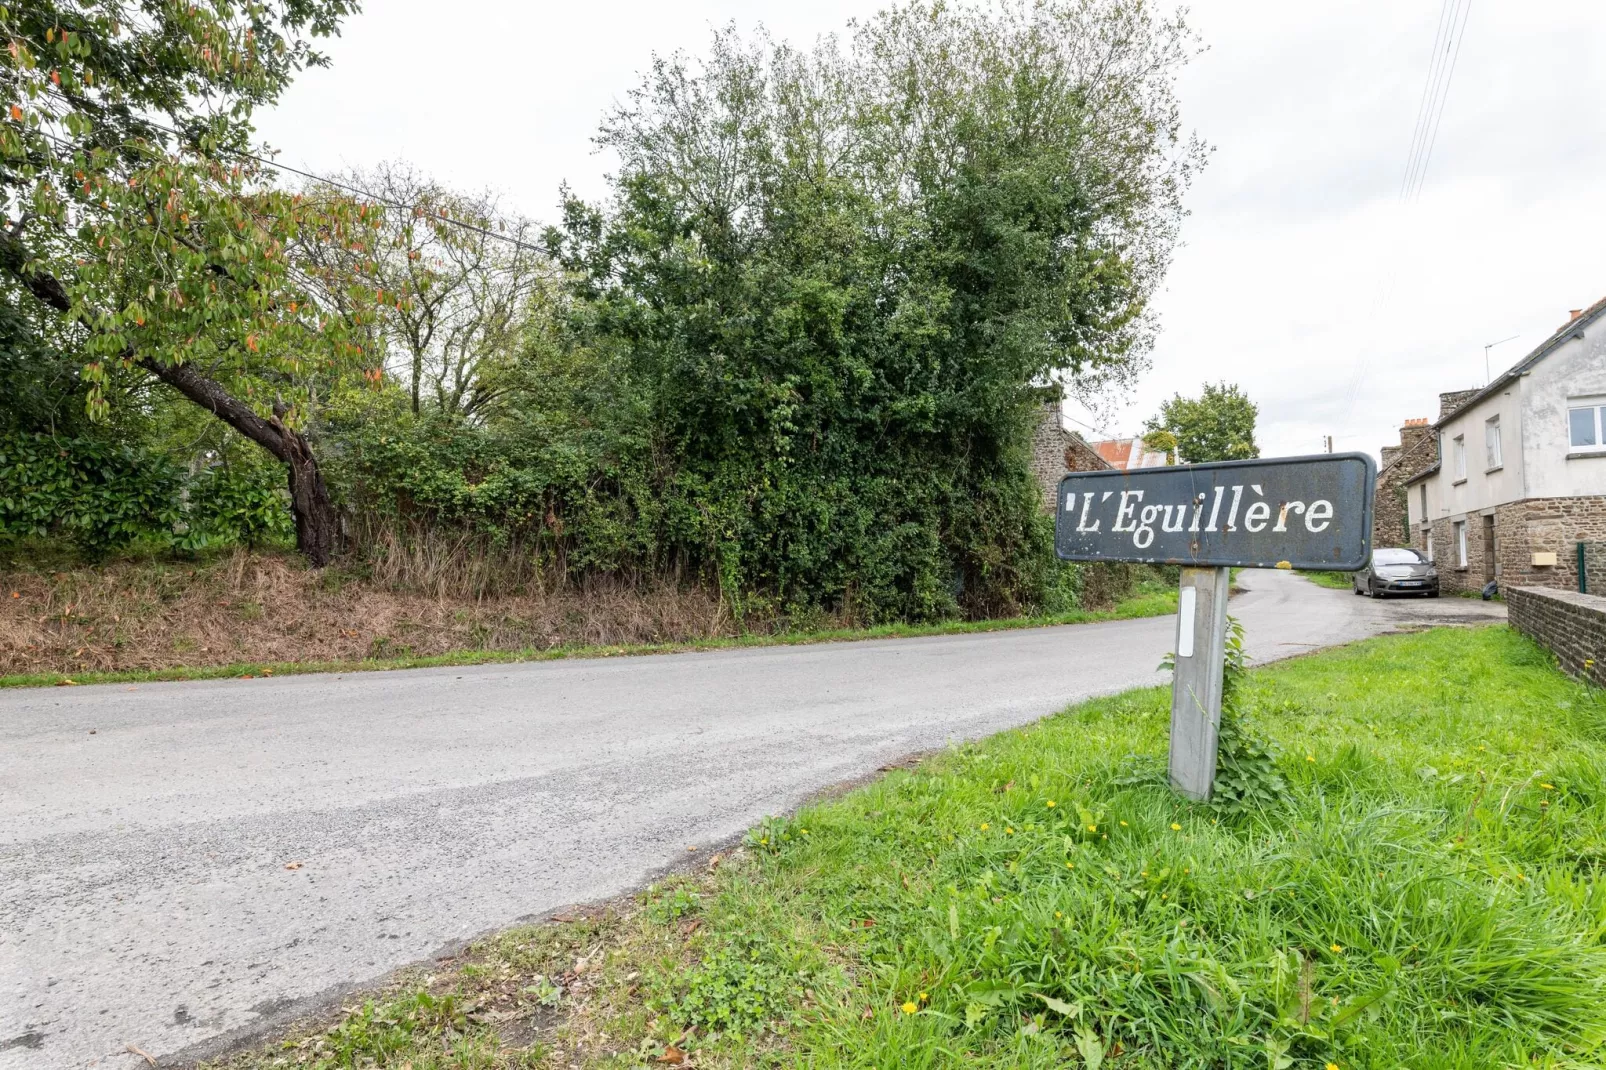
(146, 831)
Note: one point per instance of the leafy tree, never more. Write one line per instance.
(1219, 425)
(462, 275)
(834, 281)
(136, 223)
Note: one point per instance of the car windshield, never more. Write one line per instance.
(1396, 557)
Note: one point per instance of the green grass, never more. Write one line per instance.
(1150, 600)
(1429, 895)
(1338, 581)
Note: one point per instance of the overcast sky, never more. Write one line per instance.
(1302, 277)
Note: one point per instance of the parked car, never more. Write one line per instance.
(1397, 571)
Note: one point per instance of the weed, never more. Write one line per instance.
(742, 985)
(666, 905)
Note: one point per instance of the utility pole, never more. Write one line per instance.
(1487, 378)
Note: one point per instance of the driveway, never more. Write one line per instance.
(147, 832)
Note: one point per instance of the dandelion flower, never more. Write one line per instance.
(1310, 757)
(1049, 804)
(1175, 827)
(1008, 831)
(1123, 824)
(985, 826)
(1058, 914)
(1548, 787)
(1330, 1066)
(1092, 828)
(1070, 865)
(910, 1007)
(924, 997)
(1337, 950)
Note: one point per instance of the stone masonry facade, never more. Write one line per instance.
(1571, 625)
(1056, 451)
(1521, 529)
(1418, 449)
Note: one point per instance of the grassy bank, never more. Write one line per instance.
(1427, 895)
(261, 614)
(1150, 601)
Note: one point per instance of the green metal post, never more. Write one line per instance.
(1583, 573)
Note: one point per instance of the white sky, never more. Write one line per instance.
(1302, 277)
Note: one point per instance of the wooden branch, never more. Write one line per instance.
(210, 395)
(43, 285)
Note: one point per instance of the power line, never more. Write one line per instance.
(347, 187)
(1448, 36)
(1466, 13)
(1423, 107)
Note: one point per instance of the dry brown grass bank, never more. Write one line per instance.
(262, 607)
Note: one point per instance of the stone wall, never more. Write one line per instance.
(1522, 529)
(1554, 525)
(1056, 451)
(1595, 566)
(1571, 625)
(1418, 448)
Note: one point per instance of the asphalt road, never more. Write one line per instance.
(145, 831)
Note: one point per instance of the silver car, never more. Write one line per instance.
(1397, 571)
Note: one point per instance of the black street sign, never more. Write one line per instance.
(1292, 512)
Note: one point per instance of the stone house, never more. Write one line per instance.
(1418, 449)
(1519, 477)
(1057, 451)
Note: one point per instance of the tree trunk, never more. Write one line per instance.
(309, 497)
(309, 501)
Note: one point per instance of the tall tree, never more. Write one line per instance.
(1218, 425)
(135, 216)
(838, 278)
(461, 275)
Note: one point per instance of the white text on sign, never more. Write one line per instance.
(1132, 516)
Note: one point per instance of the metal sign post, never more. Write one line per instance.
(1312, 513)
(1200, 659)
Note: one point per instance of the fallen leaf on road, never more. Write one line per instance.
(64, 682)
(672, 1056)
(294, 865)
(147, 1056)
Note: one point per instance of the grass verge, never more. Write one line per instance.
(1428, 895)
(1150, 601)
(1338, 581)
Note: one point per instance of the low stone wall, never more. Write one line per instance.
(1569, 624)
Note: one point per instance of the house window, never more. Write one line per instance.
(1460, 451)
(1427, 537)
(1460, 530)
(1585, 417)
(1491, 442)
(1422, 493)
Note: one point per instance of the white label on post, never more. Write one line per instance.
(1185, 607)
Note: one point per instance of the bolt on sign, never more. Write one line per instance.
(1312, 513)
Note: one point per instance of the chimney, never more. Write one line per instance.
(1453, 400)
(1388, 455)
(1414, 431)
(1574, 313)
